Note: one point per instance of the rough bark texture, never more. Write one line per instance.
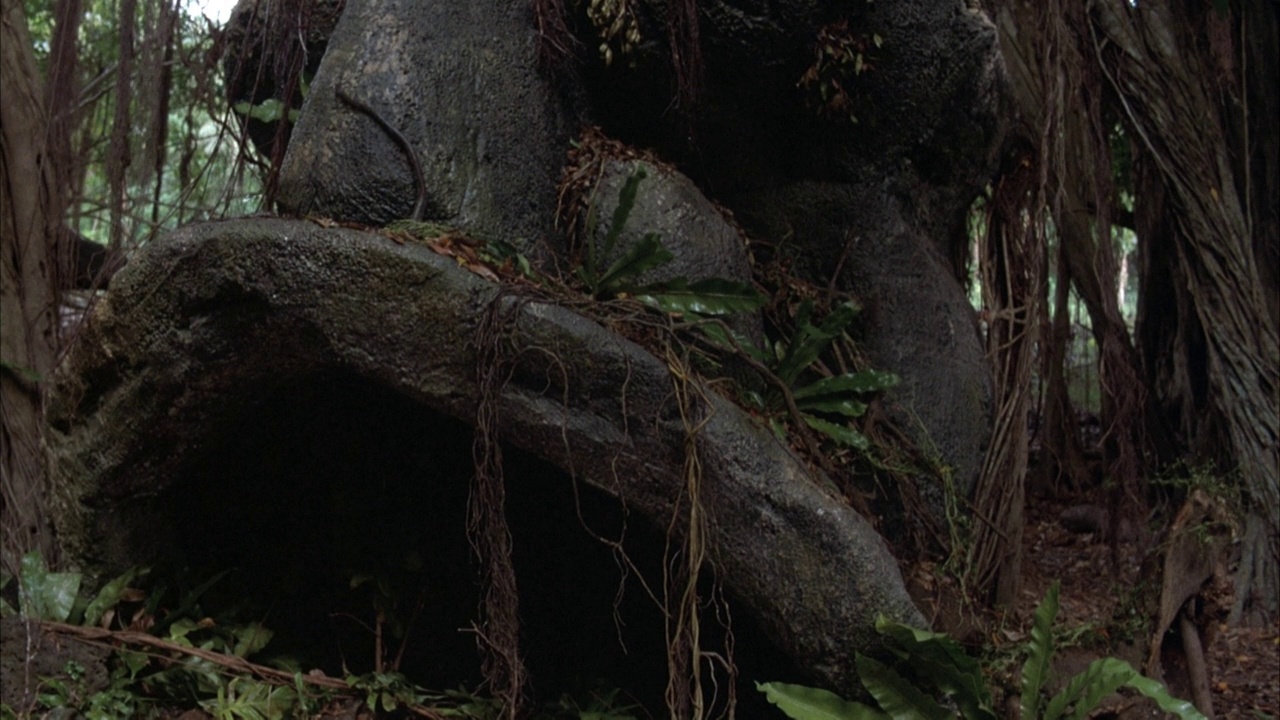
(30, 220)
(1012, 275)
(1062, 104)
(201, 327)
(1183, 81)
(1062, 469)
(1169, 100)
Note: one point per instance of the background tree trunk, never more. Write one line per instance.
(30, 220)
(1193, 86)
(1064, 110)
(1012, 264)
(1062, 468)
(1171, 101)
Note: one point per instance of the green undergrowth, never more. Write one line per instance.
(162, 661)
(929, 676)
(796, 386)
(790, 380)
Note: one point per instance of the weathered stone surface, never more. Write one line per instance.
(204, 325)
(895, 187)
(702, 241)
(881, 204)
(919, 324)
(928, 105)
(459, 80)
(704, 244)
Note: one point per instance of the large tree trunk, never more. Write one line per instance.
(1216, 360)
(1064, 113)
(1012, 251)
(1192, 86)
(30, 218)
(1062, 468)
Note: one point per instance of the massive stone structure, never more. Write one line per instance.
(243, 368)
(244, 376)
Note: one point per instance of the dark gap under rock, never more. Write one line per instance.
(332, 476)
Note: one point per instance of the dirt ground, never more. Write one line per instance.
(1094, 619)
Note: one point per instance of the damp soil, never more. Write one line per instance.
(1098, 617)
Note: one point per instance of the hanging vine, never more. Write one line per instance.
(498, 632)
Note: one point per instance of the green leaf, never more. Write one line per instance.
(134, 662)
(862, 382)
(798, 352)
(282, 703)
(109, 596)
(840, 433)
(729, 339)
(250, 639)
(1088, 688)
(835, 394)
(1160, 694)
(626, 201)
(44, 595)
(835, 404)
(897, 696)
(944, 662)
(779, 428)
(712, 296)
(180, 629)
(645, 255)
(269, 110)
(808, 341)
(1102, 679)
(809, 703)
(1039, 653)
(837, 322)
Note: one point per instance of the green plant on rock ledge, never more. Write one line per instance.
(932, 678)
(826, 404)
(710, 297)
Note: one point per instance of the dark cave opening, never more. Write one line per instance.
(332, 478)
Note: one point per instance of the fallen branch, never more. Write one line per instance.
(231, 662)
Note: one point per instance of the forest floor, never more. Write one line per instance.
(1095, 620)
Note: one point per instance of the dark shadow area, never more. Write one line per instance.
(328, 482)
(334, 479)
